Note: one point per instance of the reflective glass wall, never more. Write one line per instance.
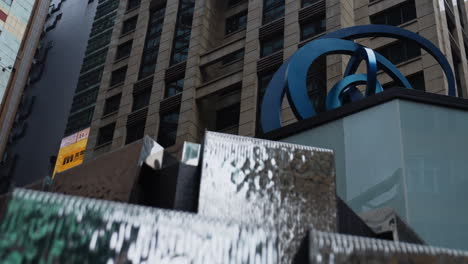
(410, 156)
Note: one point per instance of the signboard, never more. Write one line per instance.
(71, 151)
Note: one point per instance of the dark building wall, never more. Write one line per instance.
(53, 83)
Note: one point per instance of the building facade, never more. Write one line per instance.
(48, 93)
(21, 25)
(14, 19)
(172, 69)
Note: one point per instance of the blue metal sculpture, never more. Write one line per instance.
(291, 77)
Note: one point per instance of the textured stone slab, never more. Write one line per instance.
(287, 187)
(325, 247)
(54, 228)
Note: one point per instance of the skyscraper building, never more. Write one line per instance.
(172, 69)
(21, 26)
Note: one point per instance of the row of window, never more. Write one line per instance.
(151, 48)
(183, 31)
(83, 102)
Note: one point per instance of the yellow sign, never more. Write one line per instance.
(71, 151)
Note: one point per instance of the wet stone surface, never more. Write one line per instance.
(287, 188)
(53, 228)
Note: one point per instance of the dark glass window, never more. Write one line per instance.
(133, 4)
(174, 87)
(168, 128)
(141, 99)
(84, 99)
(183, 31)
(400, 51)
(105, 8)
(98, 42)
(129, 25)
(135, 132)
(395, 16)
(272, 9)
(271, 45)
(79, 121)
(105, 135)
(151, 48)
(313, 27)
(317, 83)
(123, 50)
(416, 80)
(112, 104)
(93, 60)
(89, 79)
(263, 81)
(308, 2)
(118, 76)
(232, 3)
(236, 55)
(236, 22)
(227, 117)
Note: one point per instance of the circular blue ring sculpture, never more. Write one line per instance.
(291, 77)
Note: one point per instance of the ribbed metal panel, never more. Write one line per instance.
(312, 10)
(170, 103)
(270, 29)
(137, 116)
(270, 62)
(143, 85)
(175, 72)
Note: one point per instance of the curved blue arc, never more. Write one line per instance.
(384, 64)
(299, 64)
(333, 97)
(271, 103)
(364, 31)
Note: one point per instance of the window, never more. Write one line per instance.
(105, 135)
(129, 25)
(174, 87)
(400, 51)
(317, 83)
(227, 117)
(308, 2)
(151, 48)
(89, 79)
(416, 80)
(272, 9)
(168, 128)
(313, 27)
(263, 81)
(396, 15)
(112, 104)
(84, 99)
(118, 76)
(271, 45)
(79, 121)
(232, 3)
(123, 50)
(183, 31)
(236, 22)
(141, 99)
(132, 4)
(236, 55)
(135, 131)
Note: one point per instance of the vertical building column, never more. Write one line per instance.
(189, 124)
(163, 61)
(292, 36)
(249, 93)
(431, 25)
(339, 14)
